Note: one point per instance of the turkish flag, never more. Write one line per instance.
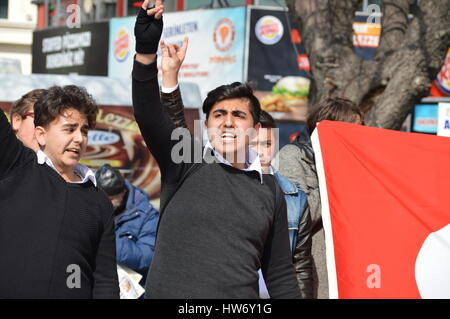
(386, 211)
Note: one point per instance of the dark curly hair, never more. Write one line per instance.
(236, 90)
(55, 100)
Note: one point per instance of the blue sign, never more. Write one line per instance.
(425, 118)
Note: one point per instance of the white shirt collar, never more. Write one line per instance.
(84, 172)
(253, 163)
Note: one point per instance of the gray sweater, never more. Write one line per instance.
(218, 226)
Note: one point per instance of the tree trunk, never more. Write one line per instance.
(409, 56)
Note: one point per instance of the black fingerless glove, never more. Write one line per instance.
(147, 31)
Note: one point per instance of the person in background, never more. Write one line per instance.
(22, 118)
(56, 229)
(135, 220)
(299, 218)
(296, 163)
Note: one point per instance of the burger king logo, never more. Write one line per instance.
(269, 30)
(443, 78)
(224, 34)
(121, 45)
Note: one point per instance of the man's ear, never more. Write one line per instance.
(16, 121)
(257, 127)
(40, 133)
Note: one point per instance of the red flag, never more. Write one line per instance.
(386, 211)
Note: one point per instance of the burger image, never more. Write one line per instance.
(294, 90)
(288, 92)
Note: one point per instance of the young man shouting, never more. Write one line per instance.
(220, 222)
(56, 227)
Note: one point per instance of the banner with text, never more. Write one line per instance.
(216, 45)
(82, 51)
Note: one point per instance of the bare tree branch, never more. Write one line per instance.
(326, 29)
(408, 58)
(394, 24)
(409, 71)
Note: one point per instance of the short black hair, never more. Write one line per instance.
(55, 100)
(266, 120)
(236, 90)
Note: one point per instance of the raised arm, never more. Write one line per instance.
(172, 59)
(173, 103)
(155, 125)
(12, 152)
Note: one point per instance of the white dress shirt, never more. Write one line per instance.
(253, 163)
(85, 173)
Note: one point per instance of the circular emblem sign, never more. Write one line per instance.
(269, 30)
(224, 34)
(121, 45)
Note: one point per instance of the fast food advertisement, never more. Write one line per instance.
(216, 45)
(277, 64)
(117, 141)
(366, 36)
(443, 78)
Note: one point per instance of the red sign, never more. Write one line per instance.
(303, 62)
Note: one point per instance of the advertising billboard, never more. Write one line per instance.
(82, 51)
(216, 45)
(277, 64)
(443, 77)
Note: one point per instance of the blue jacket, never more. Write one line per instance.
(295, 204)
(136, 231)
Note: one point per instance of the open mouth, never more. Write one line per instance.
(74, 151)
(228, 137)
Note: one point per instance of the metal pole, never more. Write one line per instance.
(46, 13)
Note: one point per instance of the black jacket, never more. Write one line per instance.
(302, 258)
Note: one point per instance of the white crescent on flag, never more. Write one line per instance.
(386, 211)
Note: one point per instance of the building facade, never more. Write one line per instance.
(18, 19)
